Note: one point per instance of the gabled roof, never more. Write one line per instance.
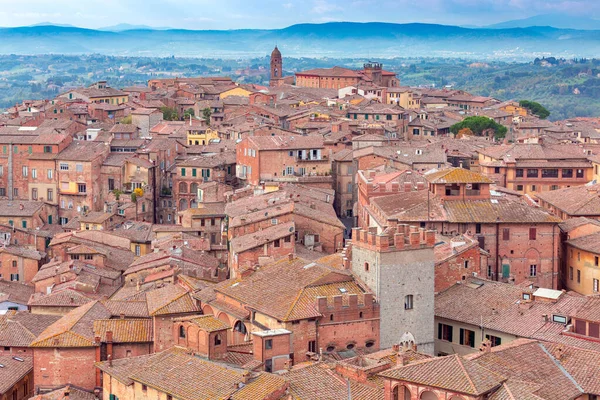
(188, 377)
(575, 201)
(124, 330)
(539, 364)
(288, 289)
(451, 373)
(13, 371)
(170, 299)
(207, 323)
(457, 175)
(19, 329)
(75, 329)
(15, 292)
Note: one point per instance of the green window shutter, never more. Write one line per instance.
(30, 149)
(182, 171)
(24, 224)
(193, 171)
(505, 270)
(208, 173)
(49, 219)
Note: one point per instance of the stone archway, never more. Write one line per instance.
(401, 393)
(239, 332)
(207, 310)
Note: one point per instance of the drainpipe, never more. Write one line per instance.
(497, 249)
(10, 172)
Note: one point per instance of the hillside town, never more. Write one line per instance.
(334, 235)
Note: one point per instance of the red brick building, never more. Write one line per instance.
(281, 159)
(339, 77)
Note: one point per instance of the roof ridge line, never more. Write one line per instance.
(561, 368)
(459, 359)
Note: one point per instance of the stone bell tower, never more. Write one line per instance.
(276, 68)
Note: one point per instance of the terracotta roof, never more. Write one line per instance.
(207, 323)
(590, 243)
(457, 175)
(124, 330)
(83, 151)
(575, 201)
(251, 240)
(15, 292)
(331, 72)
(170, 299)
(590, 311)
(451, 373)
(288, 290)
(19, 329)
(62, 298)
(500, 307)
(12, 208)
(319, 382)
(75, 329)
(533, 362)
(502, 210)
(516, 390)
(74, 393)
(263, 143)
(574, 223)
(13, 371)
(188, 377)
(128, 308)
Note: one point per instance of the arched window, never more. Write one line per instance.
(350, 346)
(466, 263)
(240, 327)
(217, 339)
(330, 348)
(181, 332)
(367, 267)
(370, 343)
(183, 204)
(331, 317)
(183, 187)
(428, 395)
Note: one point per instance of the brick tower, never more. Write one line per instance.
(398, 266)
(276, 68)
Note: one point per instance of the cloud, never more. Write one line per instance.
(324, 7)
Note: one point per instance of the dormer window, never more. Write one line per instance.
(560, 319)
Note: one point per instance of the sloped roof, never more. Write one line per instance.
(575, 201)
(207, 323)
(124, 330)
(451, 373)
(75, 329)
(19, 329)
(288, 289)
(170, 299)
(13, 371)
(188, 377)
(457, 175)
(533, 362)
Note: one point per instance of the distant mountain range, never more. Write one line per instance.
(561, 21)
(335, 39)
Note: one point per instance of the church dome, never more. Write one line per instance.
(276, 53)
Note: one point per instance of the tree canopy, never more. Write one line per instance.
(535, 108)
(169, 114)
(480, 126)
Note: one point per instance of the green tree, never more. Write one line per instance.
(169, 114)
(206, 113)
(117, 194)
(535, 108)
(135, 195)
(188, 113)
(127, 120)
(480, 126)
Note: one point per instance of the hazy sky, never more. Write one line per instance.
(233, 14)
